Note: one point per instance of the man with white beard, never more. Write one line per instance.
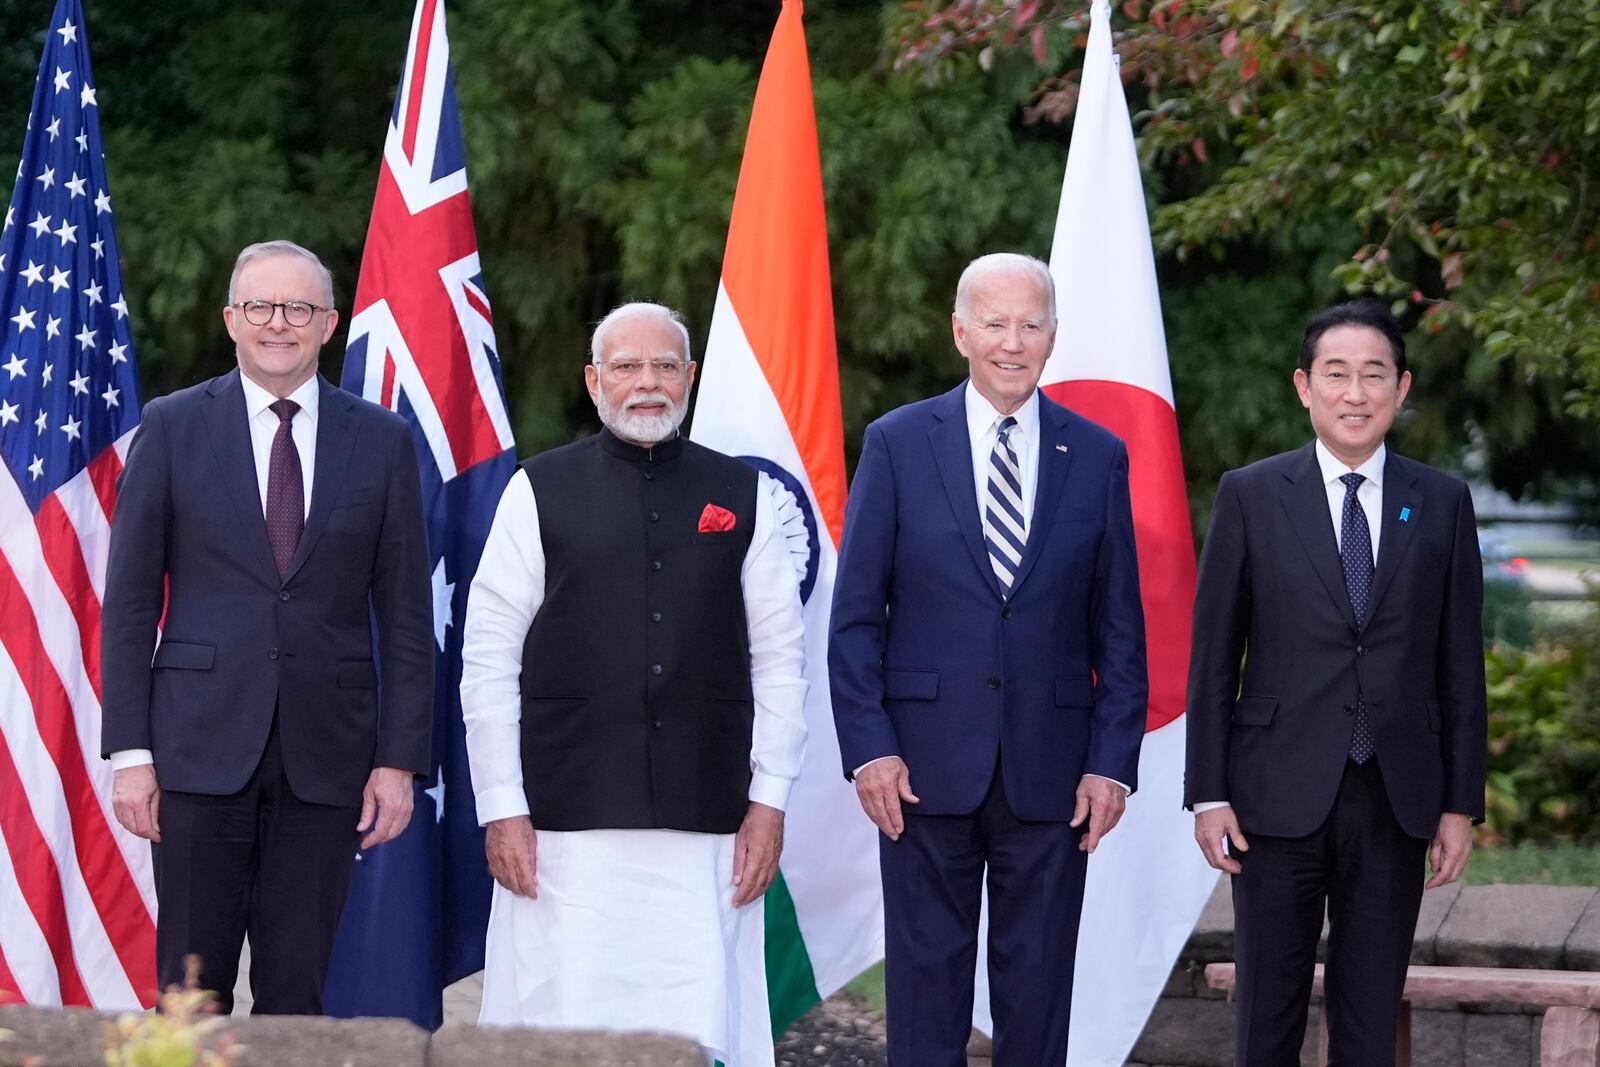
(633, 691)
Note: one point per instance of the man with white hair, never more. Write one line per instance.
(987, 666)
(633, 692)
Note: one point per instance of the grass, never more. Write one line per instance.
(1533, 864)
(868, 987)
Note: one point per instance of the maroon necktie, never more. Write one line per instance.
(286, 492)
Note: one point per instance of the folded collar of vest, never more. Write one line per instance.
(661, 452)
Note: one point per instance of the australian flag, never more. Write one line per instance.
(422, 344)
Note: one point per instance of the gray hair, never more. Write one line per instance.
(1003, 263)
(273, 249)
(638, 309)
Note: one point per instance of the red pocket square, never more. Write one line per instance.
(716, 520)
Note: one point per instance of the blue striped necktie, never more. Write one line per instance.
(1005, 528)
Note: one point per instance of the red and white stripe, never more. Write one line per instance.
(77, 899)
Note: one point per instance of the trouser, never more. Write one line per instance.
(1368, 873)
(260, 862)
(932, 883)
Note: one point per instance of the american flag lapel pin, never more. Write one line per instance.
(1061, 448)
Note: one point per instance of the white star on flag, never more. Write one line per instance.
(102, 203)
(121, 308)
(86, 96)
(63, 79)
(110, 397)
(60, 279)
(119, 352)
(17, 367)
(54, 129)
(93, 293)
(85, 338)
(52, 328)
(71, 427)
(34, 272)
(36, 468)
(68, 32)
(24, 319)
(42, 423)
(83, 140)
(8, 413)
(48, 178)
(77, 184)
(40, 225)
(80, 383)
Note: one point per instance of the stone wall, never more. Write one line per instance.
(75, 1037)
(1554, 927)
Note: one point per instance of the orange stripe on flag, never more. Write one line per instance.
(776, 268)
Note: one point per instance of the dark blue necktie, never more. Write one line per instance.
(1355, 553)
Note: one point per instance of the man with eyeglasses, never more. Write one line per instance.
(1336, 709)
(265, 521)
(633, 690)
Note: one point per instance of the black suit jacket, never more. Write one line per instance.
(238, 643)
(1278, 660)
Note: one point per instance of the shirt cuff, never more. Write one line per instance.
(501, 802)
(1210, 805)
(770, 790)
(131, 757)
(1113, 781)
(867, 764)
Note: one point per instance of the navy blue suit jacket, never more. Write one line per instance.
(238, 643)
(1278, 659)
(929, 661)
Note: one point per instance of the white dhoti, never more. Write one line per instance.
(633, 930)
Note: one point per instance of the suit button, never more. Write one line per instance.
(655, 564)
(272, 653)
(283, 597)
(1006, 614)
(655, 516)
(1349, 709)
(657, 724)
(655, 616)
(649, 476)
(655, 668)
(1361, 650)
(994, 683)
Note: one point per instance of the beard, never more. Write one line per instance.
(642, 429)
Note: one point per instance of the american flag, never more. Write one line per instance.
(422, 343)
(77, 904)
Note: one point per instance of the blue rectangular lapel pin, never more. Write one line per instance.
(1405, 514)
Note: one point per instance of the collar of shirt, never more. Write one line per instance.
(1334, 468)
(983, 420)
(257, 399)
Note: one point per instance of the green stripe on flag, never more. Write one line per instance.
(791, 985)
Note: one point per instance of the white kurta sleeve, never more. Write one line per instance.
(777, 655)
(506, 594)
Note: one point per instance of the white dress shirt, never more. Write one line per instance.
(507, 593)
(983, 426)
(263, 428)
(1369, 495)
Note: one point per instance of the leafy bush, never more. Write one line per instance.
(179, 1033)
(1544, 740)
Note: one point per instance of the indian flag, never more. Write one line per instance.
(1148, 880)
(769, 393)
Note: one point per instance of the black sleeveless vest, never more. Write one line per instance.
(636, 700)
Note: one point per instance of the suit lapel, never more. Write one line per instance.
(1399, 492)
(336, 434)
(1052, 468)
(952, 453)
(228, 426)
(1305, 499)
